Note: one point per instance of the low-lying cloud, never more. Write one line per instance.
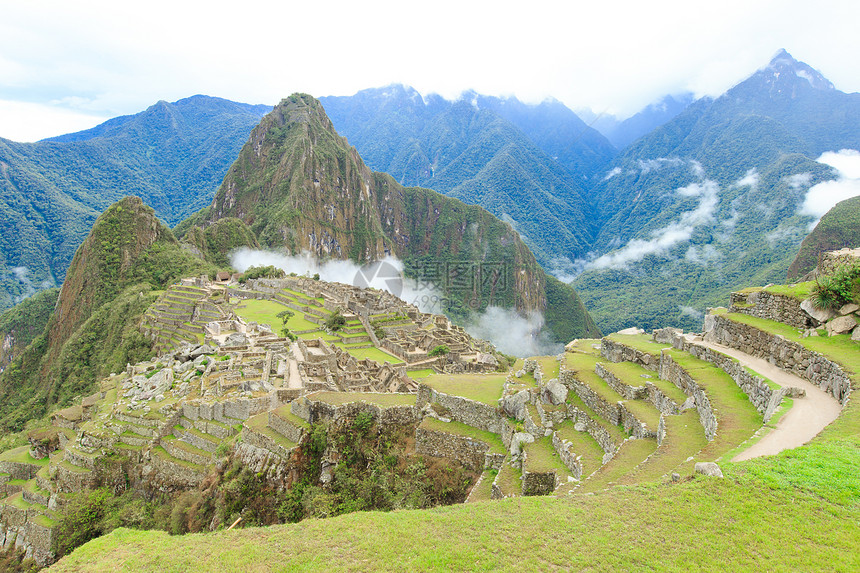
(510, 332)
(822, 197)
(673, 234)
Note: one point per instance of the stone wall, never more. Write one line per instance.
(615, 352)
(469, 412)
(539, 483)
(783, 353)
(674, 373)
(568, 457)
(468, 451)
(772, 306)
(627, 392)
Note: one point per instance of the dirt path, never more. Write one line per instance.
(803, 421)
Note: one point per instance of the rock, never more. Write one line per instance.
(236, 339)
(676, 477)
(580, 427)
(516, 405)
(849, 308)
(554, 392)
(819, 314)
(841, 325)
(855, 334)
(520, 373)
(518, 440)
(631, 330)
(708, 469)
(710, 323)
(689, 403)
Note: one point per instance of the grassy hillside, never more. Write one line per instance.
(93, 330)
(838, 228)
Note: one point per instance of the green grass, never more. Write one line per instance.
(799, 291)
(590, 452)
(615, 432)
(371, 353)
(484, 490)
(510, 480)
(337, 398)
(459, 429)
(705, 524)
(259, 424)
(737, 418)
(162, 453)
(631, 454)
(586, 346)
(549, 365)
(286, 414)
(685, 437)
(266, 311)
(640, 342)
(484, 388)
(541, 457)
(839, 348)
(22, 455)
(420, 374)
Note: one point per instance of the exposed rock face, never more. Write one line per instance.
(554, 392)
(819, 314)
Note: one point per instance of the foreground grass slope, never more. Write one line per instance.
(799, 510)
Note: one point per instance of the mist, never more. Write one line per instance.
(822, 197)
(504, 328)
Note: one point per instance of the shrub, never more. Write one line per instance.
(335, 321)
(269, 272)
(840, 288)
(440, 350)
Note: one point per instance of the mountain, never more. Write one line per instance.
(711, 200)
(173, 155)
(93, 329)
(837, 229)
(622, 133)
(501, 154)
(300, 187)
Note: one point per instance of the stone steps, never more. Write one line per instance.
(184, 451)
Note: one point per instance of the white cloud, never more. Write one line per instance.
(648, 165)
(692, 312)
(28, 122)
(513, 334)
(822, 197)
(799, 180)
(612, 173)
(705, 255)
(673, 234)
(749, 180)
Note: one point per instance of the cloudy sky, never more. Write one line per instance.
(66, 66)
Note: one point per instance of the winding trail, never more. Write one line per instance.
(803, 421)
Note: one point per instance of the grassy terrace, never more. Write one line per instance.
(420, 374)
(459, 429)
(266, 311)
(839, 348)
(371, 353)
(590, 452)
(640, 342)
(484, 490)
(549, 365)
(799, 291)
(510, 480)
(737, 418)
(259, 424)
(22, 455)
(634, 375)
(541, 457)
(586, 346)
(615, 431)
(338, 398)
(631, 454)
(685, 437)
(287, 415)
(163, 454)
(484, 388)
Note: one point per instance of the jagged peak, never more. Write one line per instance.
(784, 63)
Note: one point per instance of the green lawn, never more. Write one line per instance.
(590, 452)
(541, 457)
(685, 437)
(266, 311)
(22, 455)
(420, 374)
(549, 365)
(484, 388)
(640, 342)
(632, 453)
(371, 353)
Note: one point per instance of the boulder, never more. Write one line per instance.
(849, 308)
(708, 469)
(518, 440)
(855, 334)
(515, 405)
(841, 325)
(554, 393)
(819, 314)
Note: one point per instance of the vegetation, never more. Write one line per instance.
(840, 288)
(440, 350)
(266, 272)
(335, 321)
(837, 229)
